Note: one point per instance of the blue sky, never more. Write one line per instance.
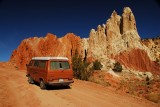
(20, 19)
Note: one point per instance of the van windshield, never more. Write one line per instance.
(59, 65)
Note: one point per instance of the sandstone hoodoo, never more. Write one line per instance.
(118, 34)
(114, 41)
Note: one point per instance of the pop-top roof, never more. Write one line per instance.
(49, 58)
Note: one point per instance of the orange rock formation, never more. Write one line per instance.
(47, 46)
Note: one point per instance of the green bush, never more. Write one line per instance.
(80, 67)
(97, 65)
(117, 67)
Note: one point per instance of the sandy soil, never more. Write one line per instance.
(16, 92)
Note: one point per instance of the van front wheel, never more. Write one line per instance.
(42, 84)
(30, 80)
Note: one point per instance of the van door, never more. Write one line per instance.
(60, 70)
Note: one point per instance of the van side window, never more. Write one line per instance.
(54, 65)
(36, 63)
(42, 64)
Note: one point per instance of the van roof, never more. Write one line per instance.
(49, 58)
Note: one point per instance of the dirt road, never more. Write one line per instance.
(16, 92)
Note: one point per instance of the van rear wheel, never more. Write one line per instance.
(42, 85)
(30, 80)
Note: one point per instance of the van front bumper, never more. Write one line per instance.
(65, 83)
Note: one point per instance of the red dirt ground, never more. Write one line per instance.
(16, 92)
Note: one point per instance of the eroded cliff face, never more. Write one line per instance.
(154, 45)
(116, 40)
(138, 59)
(47, 46)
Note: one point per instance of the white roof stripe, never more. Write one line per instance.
(49, 58)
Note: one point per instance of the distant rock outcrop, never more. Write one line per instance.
(47, 46)
(117, 40)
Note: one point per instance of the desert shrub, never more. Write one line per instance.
(76, 64)
(117, 67)
(80, 67)
(97, 65)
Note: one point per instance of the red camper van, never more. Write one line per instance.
(50, 71)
